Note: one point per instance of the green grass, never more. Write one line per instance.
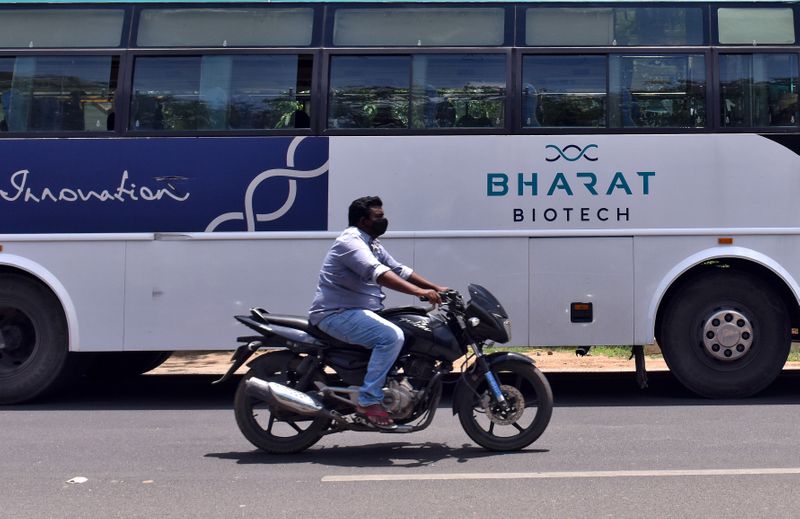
(620, 352)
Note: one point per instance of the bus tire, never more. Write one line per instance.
(34, 344)
(726, 334)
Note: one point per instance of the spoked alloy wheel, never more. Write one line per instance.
(518, 424)
(271, 430)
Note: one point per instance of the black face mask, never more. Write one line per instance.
(379, 226)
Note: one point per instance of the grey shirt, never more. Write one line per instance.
(349, 275)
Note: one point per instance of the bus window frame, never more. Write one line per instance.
(739, 50)
(519, 41)
(608, 52)
(316, 31)
(125, 33)
(118, 93)
(411, 51)
(508, 29)
(126, 131)
(714, 41)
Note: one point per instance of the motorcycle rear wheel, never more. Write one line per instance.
(514, 428)
(276, 432)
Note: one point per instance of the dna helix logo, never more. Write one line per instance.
(249, 216)
(567, 153)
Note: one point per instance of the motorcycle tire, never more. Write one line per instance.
(276, 432)
(489, 425)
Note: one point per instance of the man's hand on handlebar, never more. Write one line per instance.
(431, 296)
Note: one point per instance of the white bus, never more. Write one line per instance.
(616, 172)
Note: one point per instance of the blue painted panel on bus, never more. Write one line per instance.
(163, 185)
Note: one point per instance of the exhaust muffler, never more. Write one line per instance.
(284, 397)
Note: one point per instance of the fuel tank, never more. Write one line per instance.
(424, 335)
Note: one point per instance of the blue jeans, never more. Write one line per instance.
(366, 328)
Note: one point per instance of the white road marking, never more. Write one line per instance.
(562, 475)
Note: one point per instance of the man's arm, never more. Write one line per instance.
(421, 282)
(391, 280)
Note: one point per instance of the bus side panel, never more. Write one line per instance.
(499, 264)
(184, 294)
(581, 270)
(92, 274)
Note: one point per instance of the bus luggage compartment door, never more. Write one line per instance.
(583, 270)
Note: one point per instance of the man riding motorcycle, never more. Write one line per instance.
(349, 293)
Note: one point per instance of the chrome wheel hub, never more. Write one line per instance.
(727, 335)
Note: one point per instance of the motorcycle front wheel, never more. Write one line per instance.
(513, 427)
(271, 430)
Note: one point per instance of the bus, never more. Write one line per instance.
(616, 172)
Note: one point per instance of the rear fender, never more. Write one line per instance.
(266, 365)
(469, 381)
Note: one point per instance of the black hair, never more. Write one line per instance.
(360, 207)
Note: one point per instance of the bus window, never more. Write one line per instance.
(57, 93)
(369, 92)
(453, 90)
(605, 26)
(461, 90)
(51, 28)
(756, 26)
(665, 91)
(221, 92)
(564, 91)
(759, 90)
(225, 27)
(419, 27)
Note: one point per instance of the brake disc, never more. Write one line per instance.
(515, 406)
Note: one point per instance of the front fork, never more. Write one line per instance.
(494, 386)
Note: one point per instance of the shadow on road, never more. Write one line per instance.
(569, 390)
(383, 454)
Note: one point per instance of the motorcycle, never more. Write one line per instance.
(306, 385)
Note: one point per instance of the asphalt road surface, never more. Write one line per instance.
(168, 446)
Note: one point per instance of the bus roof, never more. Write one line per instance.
(595, 2)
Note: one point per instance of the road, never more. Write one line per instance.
(167, 446)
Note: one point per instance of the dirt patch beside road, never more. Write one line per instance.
(548, 360)
(214, 362)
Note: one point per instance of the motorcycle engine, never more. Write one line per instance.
(399, 398)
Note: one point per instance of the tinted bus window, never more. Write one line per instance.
(564, 91)
(657, 91)
(605, 26)
(444, 91)
(243, 27)
(57, 93)
(369, 92)
(220, 92)
(37, 28)
(466, 91)
(756, 26)
(413, 27)
(759, 90)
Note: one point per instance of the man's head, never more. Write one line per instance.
(366, 213)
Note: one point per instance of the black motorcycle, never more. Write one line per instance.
(306, 385)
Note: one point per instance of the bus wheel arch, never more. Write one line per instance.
(724, 326)
(35, 333)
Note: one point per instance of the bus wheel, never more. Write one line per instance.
(33, 339)
(726, 335)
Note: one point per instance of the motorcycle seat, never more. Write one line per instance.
(302, 324)
(290, 321)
